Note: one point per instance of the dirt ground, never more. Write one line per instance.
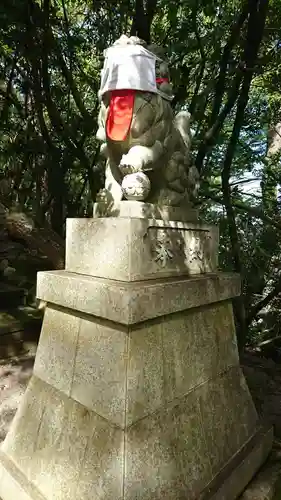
(264, 380)
(14, 377)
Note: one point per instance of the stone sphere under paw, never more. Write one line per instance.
(136, 186)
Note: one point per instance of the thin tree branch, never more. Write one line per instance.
(252, 314)
(218, 117)
(220, 85)
(254, 37)
(203, 60)
(254, 211)
(213, 132)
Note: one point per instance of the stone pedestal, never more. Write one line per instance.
(137, 391)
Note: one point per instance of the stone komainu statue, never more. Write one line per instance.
(146, 146)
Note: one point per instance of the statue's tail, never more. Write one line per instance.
(182, 123)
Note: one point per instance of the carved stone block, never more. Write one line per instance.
(139, 249)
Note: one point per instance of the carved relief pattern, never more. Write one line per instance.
(163, 253)
(170, 245)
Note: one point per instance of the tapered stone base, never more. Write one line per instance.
(126, 409)
(59, 450)
(137, 392)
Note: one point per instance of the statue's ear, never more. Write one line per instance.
(166, 88)
(158, 51)
(135, 40)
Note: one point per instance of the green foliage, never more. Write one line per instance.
(225, 66)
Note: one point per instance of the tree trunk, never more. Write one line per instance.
(269, 241)
(143, 18)
(271, 167)
(56, 189)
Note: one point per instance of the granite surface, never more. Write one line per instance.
(145, 411)
(137, 390)
(132, 303)
(124, 374)
(148, 248)
(142, 210)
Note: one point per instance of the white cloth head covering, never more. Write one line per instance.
(128, 67)
(131, 67)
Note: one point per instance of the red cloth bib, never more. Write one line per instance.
(162, 80)
(120, 114)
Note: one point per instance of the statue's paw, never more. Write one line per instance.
(130, 164)
(126, 168)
